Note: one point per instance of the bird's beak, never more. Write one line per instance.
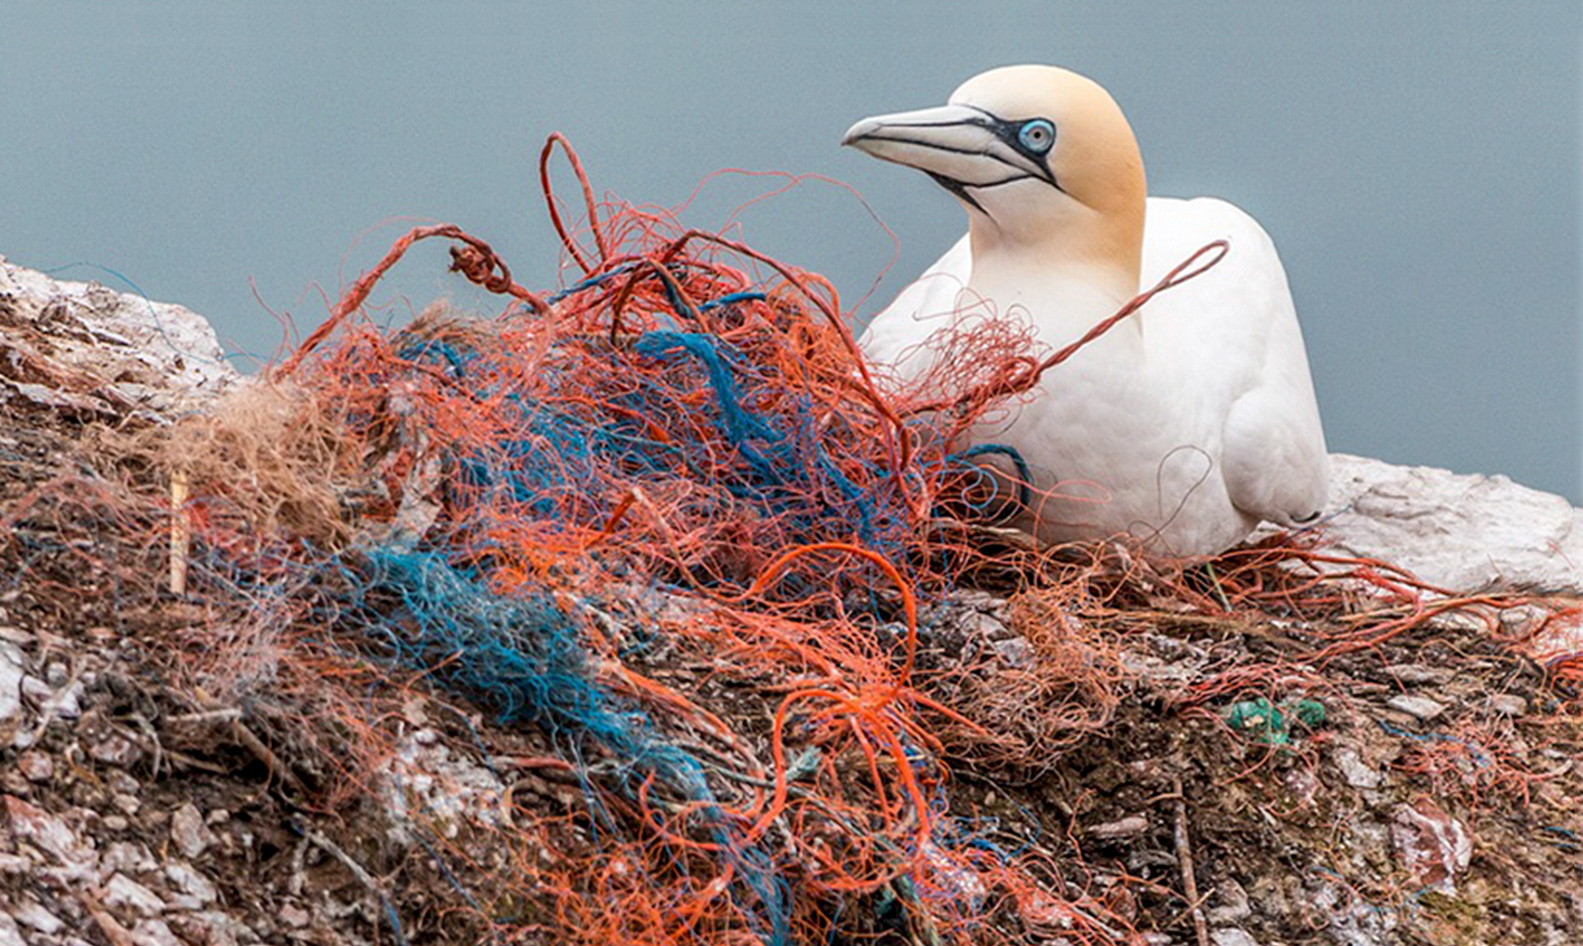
(953, 143)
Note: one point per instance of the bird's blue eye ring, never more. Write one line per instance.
(1037, 135)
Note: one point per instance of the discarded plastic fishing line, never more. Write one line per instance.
(481, 501)
(521, 657)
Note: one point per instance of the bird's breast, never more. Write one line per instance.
(1118, 438)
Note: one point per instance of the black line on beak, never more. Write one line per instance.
(958, 188)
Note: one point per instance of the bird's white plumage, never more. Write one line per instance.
(1184, 426)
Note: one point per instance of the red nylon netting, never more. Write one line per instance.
(684, 456)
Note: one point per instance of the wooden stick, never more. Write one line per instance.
(1184, 860)
(180, 532)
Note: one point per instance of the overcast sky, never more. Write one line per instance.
(1416, 163)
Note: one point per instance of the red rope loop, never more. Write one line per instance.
(642, 266)
(476, 260)
(589, 205)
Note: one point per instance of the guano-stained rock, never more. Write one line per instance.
(1459, 532)
(84, 348)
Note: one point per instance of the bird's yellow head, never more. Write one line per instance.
(1042, 158)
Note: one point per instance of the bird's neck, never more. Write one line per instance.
(1066, 282)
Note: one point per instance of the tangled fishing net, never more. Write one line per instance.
(666, 526)
(679, 457)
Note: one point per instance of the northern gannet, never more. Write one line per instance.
(1188, 422)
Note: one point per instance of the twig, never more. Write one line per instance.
(147, 729)
(112, 929)
(1184, 860)
(49, 710)
(148, 738)
(207, 716)
(265, 755)
(192, 762)
(212, 709)
(1220, 593)
(334, 850)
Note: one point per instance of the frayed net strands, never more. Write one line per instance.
(668, 521)
(478, 500)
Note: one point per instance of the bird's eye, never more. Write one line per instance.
(1037, 135)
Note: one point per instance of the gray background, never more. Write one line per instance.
(1417, 164)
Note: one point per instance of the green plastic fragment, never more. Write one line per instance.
(1259, 719)
(1271, 724)
(1310, 713)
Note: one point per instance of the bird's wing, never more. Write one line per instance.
(928, 304)
(1234, 333)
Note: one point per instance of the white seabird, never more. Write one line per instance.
(1186, 424)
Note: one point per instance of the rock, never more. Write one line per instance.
(9, 934)
(152, 932)
(294, 916)
(1157, 670)
(1138, 860)
(211, 928)
(126, 893)
(1013, 652)
(1370, 839)
(194, 891)
(1421, 707)
(53, 703)
(51, 835)
(31, 913)
(1419, 674)
(188, 832)
(976, 623)
(1463, 533)
(1123, 828)
(1432, 845)
(1354, 921)
(1509, 704)
(13, 667)
(67, 702)
(131, 858)
(1359, 774)
(1231, 936)
(36, 691)
(116, 750)
(1303, 783)
(451, 790)
(61, 341)
(1232, 904)
(36, 766)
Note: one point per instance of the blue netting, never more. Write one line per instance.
(521, 658)
(564, 447)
